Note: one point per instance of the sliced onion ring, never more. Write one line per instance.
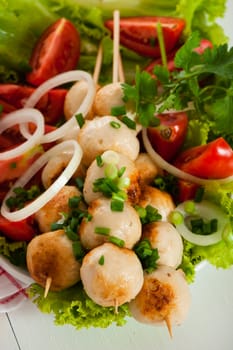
(163, 164)
(206, 210)
(40, 201)
(60, 79)
(24, 115)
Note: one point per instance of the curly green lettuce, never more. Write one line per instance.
(72, 306)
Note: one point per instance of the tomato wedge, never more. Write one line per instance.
(140, 33)
(168, 137)
(57, 51)
(211, 161)
(19, 230)
(14, 96)
(13, 168)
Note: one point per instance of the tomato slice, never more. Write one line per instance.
(19, 230)
(204, 44)
(13, 96)
(168, 137)
(57, 51)
(13, 168)
(140, 33)
(211, 161)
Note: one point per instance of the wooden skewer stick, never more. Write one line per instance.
(121, 69)
(116, 35)
(116, 306)
(169, 326)
(98, 64)
(47, 286)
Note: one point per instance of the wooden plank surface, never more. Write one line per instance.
(208, 325)
(7, 337)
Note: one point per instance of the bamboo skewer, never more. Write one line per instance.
(98, 64)
(116, 35)
(47, 286)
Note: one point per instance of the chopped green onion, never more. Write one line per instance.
(123, 182)
(115, 125)
(79, 183)
(189, 207)
(73, 202)
(176, 218)
(111, 171)
(199, 195)
(118, 110)
(102, 230)
(56, 226)
(99, 161)
(101, 260)
(72, 235)
(129, 122)
(78, 250)
(80, 119)
(121, 171)
(147, 255)
(141, 211)
(117, 241)
(117, 205)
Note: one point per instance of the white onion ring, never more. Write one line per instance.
(206, 210)
(21, 116)
(63, 78)
(163, 164)
(40, 201)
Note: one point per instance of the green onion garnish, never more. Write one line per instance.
(117, 241)
(115, 125)
(118, 110)
(101, 260)
(129, 122)
(102, 230)
(80, 119)
(99, 161)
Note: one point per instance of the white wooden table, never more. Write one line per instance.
(208, 326)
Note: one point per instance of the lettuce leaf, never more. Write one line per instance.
(72, 306)
(14, 251)
(201, 15)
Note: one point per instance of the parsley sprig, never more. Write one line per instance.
(205, 80)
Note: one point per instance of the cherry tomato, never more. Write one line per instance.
(14, 96)
(211, 161)
(185, 191)
(57, 51)
(168, 137)
(140, 33)
(13, 168)
(158, 61)
(19, 230)
(204, 44)
(6, 108)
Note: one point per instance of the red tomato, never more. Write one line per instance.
(185, 191)
(211, 161)
(158, 61)
(6, 107)
(50, 105)
(168, 137)
(204, 44)
(13, 168)
(140, 33)
(19, 230)
(57, 51)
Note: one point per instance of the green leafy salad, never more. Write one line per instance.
(21, 24)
